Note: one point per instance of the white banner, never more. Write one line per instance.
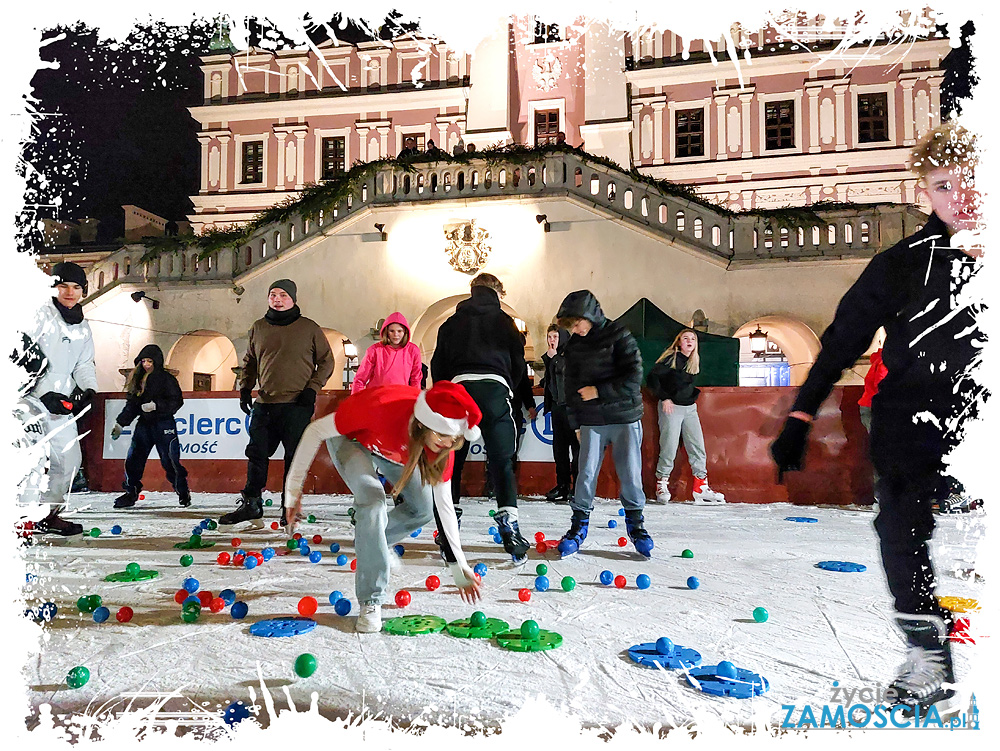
(536, 441)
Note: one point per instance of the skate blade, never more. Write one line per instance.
(705, 502)
(244, 526)
(519, 561)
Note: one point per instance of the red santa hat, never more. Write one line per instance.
(447, 408)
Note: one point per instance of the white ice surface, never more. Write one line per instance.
(823, 626)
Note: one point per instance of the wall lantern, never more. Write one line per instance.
(138, 296)
(758, 342)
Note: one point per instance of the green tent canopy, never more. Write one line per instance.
(654, 330)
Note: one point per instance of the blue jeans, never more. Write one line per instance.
(626, 445)
(161, 433)
(376, 528)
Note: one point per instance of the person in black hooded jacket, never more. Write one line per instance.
(564, 441)
(153, 396)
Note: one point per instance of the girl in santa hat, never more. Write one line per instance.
(409, 436)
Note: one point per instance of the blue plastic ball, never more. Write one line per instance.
(607, 577)
(239, 551)
(693, 582)
(228, 596)
(48, 611)
(612, 523)
(303, 542)
(621, 512)
(642, 581)
(250, 562)
(205, 523)
(664, 646)
(493, 531)
(480, 568)
(399, 550)
(191, 584)
(417, 533)
(334, 547)
(343, 606)
(239, 610)
(117, 529)
(336, 595)
(196, 531)
(341, 559)
(315, 557)
(268, 553)
(498, 539)
(726, 669)
(190, 599)
(304, 550)
(235, 713)
(101, 614)
(541, 583)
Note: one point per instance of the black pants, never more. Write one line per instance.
(271, 425)
(564, 442)
(161, 433)
(499, 437)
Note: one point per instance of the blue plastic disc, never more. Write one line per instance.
(648, 656)
(845, 566)
(416, 533)
(275, 627)
(746, 684)
(806, 519)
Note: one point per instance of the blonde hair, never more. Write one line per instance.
(431, 472)
(385, 335)
(136, 382)
(947, 145)
(694, 362)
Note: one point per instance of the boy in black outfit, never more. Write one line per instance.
(564, 441)
(932, 341)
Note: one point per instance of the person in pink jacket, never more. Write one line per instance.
(395, 359)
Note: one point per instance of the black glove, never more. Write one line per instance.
(82, 401)
(246, 401)
(307, 398)
(56, 403)
(789, 447)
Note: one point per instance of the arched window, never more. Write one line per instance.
(115, 278)
(100, 280)
(680, 221)
(698, 227)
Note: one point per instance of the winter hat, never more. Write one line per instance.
(447, 408)
(287, 285)
(152, 352)
(67, 271)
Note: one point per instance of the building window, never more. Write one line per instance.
(202, 381)
(689, 132)
(333, 157)
(253, 162)
(779, 125)
(546, 32)
(546, 126)
(873, 117)
(420, 138)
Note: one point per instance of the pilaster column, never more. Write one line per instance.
(204, 141)
(363, 141)
(745, 100)
(908, 137)
(814, 145)
(840, 90)
(223, 162)
(636, 134)
(658, 107)
(720, 125)
(300, 159)
(280, 183)
(935, 84)
(383, 140)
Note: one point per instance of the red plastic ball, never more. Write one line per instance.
(317, 539)
(259, 557)
(237, 542)
(539, 536)
(307, 606)
(142, 496)
(354, 564)
(297, 536)
(205, 598)
(541, 547)
(620, 581)
(224, 558)
(622, 542)
(124, 614)
(180, 596)
(402, 598)
(238, 559)
(524, 595)
(435, 534)
(217, 605)
(274, 525)
(432, 583)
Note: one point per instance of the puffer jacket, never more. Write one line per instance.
(673, 382)
(608, 358)
(68, 350)
(161, 388)
(384, 365)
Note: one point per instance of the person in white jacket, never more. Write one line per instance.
(59, 348)
(409, 436)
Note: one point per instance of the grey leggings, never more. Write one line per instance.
(682, 422)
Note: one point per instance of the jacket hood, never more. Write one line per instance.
(154, 353)
(482, 300)
(396, 317)
(582, 304)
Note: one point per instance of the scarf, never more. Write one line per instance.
(70, 315)
(282, 317)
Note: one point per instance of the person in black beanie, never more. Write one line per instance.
(290, 359)
(153, 396)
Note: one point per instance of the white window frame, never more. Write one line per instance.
(239, 139)
(889, 89)
(762, 100)
(692, 104)
(320, 134)
(546, 104)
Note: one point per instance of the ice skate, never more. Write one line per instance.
(577, 533)
(637, 532)
(127, 499)
(705, 496)
(184, 499)
(957, 503)
(250, 511)
(558, 494)
(662, 491)
(53, 524)
(369, 619)
(513, 542)
(927, 678)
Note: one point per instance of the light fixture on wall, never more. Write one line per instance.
(543, 220)
(138, 296)
(351, 353)
(380, 228)
(521, 325)
(758, 342)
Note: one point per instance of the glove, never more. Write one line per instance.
(789, 447)
(246, 401)
(307, 398)
(82, 401)
(467, 582)
(56, 403)
(116, 432)
(149, 407)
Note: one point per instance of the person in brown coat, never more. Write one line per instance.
(289, 359)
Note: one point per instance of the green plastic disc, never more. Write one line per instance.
(515, 641)
(125, 576)
(77, 677)
(195, 543)
(464, 629)
(414, 625)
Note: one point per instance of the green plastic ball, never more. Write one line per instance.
(759, 615)
(305, 665)
(190, 616)
(529, 630)
(77, 677)
(350, 512)
(212, 524)
(186, 560)
(568, 583)
(268, 502)
(292, 544)
(311, 519)
(83, 605)
(541, 569)
(687, 554)
(493, 512)
(95, 602)
(478, 619)
(95, 532)
(132, 569)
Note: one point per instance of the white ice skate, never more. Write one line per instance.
(370, 619)
(662, 491)
(705, 496)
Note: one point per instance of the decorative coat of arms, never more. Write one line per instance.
(546, 72)
(468, 247)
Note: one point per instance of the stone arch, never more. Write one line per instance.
(206, 352)
(799, 342)
(336, 340)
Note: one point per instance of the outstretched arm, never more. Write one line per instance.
(317, 432)
(447, 524)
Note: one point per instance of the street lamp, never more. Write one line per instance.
(351, 353)
(758, 342)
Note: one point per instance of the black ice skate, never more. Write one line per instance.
(249, 511)
(53, 524)
(927, 677)
(515, 545)
(184, 499)
(558, 494)
(127, 499)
